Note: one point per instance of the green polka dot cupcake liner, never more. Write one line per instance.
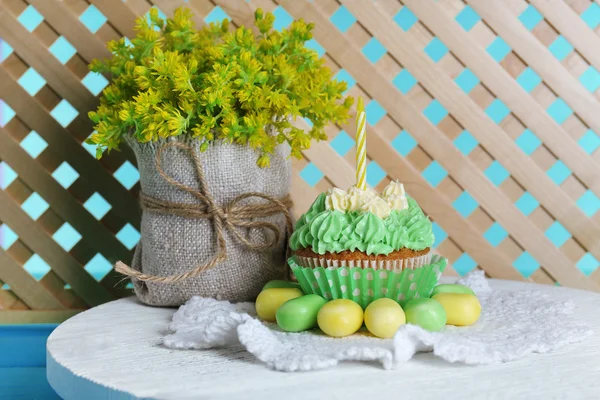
(364, 285)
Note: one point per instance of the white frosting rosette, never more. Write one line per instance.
(393, 198)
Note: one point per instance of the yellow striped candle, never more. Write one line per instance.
(361, 145)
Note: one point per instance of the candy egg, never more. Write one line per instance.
(427, 313)
(451, 288)
(461, 309)
(299, 314)
(383, 317)
(340, 317)
(281, 284)
(269, 300)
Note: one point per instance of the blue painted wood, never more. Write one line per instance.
(23, 362)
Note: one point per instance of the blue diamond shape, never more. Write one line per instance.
(33, 144)
(342, 143)
(7, 175)
(62, 50)
(591, 16)
(5, 50)
(497, 111)
(589, 141)
(464, 264)
(528, 142)
(374, 112)
(343, 75)
(467, 18)
(216, 15)
(98, 267)
(7, 237)
(589, 203)
(97, 206)
(343, 19)
(311, 174)
(558, 172)
(559, 110)
(374, 50)
(496, 173)
(314, 45)
(435, 112)
(526, 264)
(467, 80)
(129, 236)
(439, 234)
(92, 18)
(404, 81)
(35, 206)
(30, 18)
(31, 81)
(465, 204)
(495, 234)
(529, 79)
(587, 264)
(498, 49)
(127, 175)
(557, 234)
(590, 79)
(530, 17)
(6, 114)
(527, 203)
(36, 267)
(94, 82)
(66, 236)
(560, 48)
(405, 18)
(436, 49)
(64, 113)
(375, 174)
(91, 148)
(404, 143)
(65, 175)
(465, 142)
(282, 18)
(434, 173)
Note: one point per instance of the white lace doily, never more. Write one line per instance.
(512, 325)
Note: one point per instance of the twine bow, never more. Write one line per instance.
(233, 217)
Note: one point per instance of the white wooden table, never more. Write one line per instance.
(114, 351)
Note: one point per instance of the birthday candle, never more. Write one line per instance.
(361, 146)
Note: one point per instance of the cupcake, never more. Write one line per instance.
(361, 245)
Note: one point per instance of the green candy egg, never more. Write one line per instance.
(451, 288)
(279, 284)
(299, 314)
(429, 314)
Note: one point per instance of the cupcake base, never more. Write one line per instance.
(364, 281)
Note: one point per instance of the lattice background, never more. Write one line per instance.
(486, 110)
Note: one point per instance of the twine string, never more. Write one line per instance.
(234, 217)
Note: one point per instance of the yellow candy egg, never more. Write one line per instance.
(269, 300)
(340, 318)
(383, 317)
(462, 309)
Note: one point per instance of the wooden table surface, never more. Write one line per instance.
(114, 351)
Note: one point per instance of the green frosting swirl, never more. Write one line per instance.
(334, 231)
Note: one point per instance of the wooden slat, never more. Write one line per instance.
(571, 26)
(510, 92)
(34, 116)
(36, 317)
(24, 285)
(540, 59)
(438, 145)
(61, 202)
(119, 15)
(62, 19)
(62, 263)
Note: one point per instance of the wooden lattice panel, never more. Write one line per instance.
(486, 110)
